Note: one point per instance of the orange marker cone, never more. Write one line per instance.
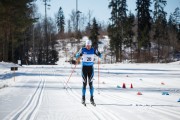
(139, 93)
(131, 86)
(124, 85)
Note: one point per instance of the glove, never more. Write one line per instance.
(77, 56)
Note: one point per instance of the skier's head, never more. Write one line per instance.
(88, 44)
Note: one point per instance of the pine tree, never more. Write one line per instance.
(144, 26)
(160, 33)
(15, 20)
(111, 35)
(117, 27)
(176, 16)
(112, 29)
(174, 29)
(94, 33)
(60, 21)
(128, 42)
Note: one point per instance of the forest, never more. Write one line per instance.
(151, 35)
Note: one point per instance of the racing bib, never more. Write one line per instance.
(88, 57)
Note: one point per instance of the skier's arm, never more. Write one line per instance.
(96, 52)
(78, 56)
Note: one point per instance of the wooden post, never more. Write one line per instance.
(14, 72)
(14, 69)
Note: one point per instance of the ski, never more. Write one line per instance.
(92, 103)
(84, 103)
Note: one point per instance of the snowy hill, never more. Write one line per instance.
(68, 48)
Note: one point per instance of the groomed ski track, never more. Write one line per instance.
(41, 93)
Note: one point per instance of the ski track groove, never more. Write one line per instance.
(105, 115)
(98, 112)
(31, 116)
(29, 109)
(160, 110)
(166, 112)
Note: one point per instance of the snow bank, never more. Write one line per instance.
(6, 74)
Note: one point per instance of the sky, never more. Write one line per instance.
(99, 8)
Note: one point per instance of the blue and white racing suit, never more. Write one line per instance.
(87, 67)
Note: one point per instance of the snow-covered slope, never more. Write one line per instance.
(41, 92)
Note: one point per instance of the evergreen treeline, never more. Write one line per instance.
(22, 37)
(15, 19)
(148, 34)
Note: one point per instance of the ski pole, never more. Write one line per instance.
(98, 75)
(71, 74)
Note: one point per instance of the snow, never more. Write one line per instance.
(40, 92)
(6, 73)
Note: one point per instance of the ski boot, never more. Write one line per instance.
(92, 101)
(83, 100)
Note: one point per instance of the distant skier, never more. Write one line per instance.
(87, 54)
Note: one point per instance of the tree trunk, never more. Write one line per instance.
(12, 49)
(117, 54)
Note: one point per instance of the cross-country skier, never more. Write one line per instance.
(87, 54)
